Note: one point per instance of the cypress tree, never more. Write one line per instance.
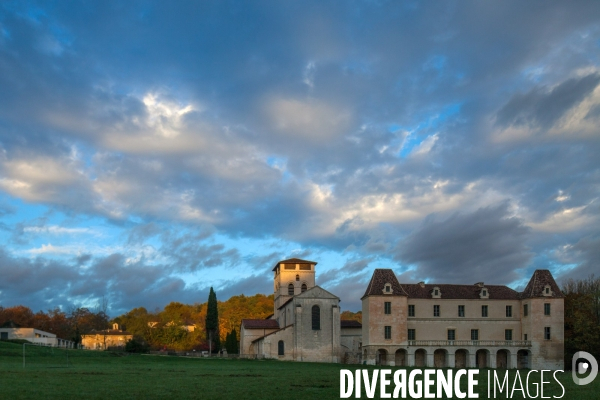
(234, 342)
(212, 321)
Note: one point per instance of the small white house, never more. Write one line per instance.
(14, 331)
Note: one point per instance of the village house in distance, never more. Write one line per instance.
(424, 325)
(106, 339)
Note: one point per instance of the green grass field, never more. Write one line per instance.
(103, 375)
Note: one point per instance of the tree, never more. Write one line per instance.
(212, 321)
(231, 343)
(582, 317)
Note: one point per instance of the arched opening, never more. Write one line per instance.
(303, 289)
(291, 289)
(523, 359)
(502, 359)
(381, 357)
(420, 357)
(439, 358)
(481, 359)
(460, 358)
(297, 277)
(316, 318)
(280, 348)
(400, 358)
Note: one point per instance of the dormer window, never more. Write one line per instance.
(547, 291)
(387, 288)
(436, 293)
(484, 293)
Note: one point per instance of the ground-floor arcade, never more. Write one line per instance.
(502, 357)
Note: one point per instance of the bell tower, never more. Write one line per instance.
(291, 277)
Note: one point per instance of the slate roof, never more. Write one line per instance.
(293, 261)
(416, 291)
(260, 324)
(537, 283)
(379, 279)
(346, 323)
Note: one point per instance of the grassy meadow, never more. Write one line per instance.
(105, 375)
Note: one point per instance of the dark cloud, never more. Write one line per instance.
(486, 245)
(189, 128)
(544, 107)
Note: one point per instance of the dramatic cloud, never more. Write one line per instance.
(486, 244)
(149, 151)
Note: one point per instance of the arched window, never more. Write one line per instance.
(280, 348)
(297, 277)
(316, 318)
(291, 289)
(303, 288)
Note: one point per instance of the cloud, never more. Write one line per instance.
(564, 110)
(193, 157)
(486, 245)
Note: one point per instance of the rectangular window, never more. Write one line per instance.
(451, 334)
(474, 334)
(508, 311)
(547, 333)
(484, 311)
(436, 311)
(525, 337)
(412, 334)
(546, 308)
(508, 334)
(387, 307)
(388, 332)
(461, 311)
(411, 310)
(525, 310)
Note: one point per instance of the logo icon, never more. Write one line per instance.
(589, 364)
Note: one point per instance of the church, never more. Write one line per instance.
(415, 325)
(305, 325)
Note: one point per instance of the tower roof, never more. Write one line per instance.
(379, 279)
(540, 279)
(293, 261)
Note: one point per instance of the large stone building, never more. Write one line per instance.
(433, 325)
(439, 325)
(305, 325)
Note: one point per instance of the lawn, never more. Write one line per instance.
(103, 375)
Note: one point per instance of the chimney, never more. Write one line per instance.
(480, 284)
(422, 284)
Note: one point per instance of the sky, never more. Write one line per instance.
(150, 150)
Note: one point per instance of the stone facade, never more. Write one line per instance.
(305, 325)
(463, 325)
(425, 325)
(105, 339)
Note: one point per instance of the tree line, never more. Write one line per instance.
(189, 327)
(68, 325)
(582, 317)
